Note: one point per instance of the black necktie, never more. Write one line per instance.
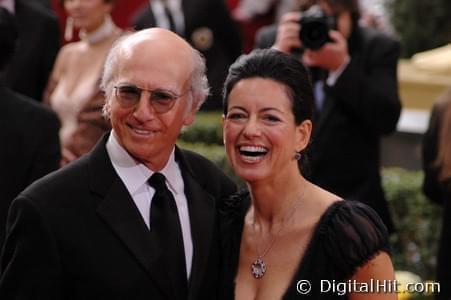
(165, 230)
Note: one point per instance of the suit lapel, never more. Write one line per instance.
(328, 107)
(120, 213)
(201, 207)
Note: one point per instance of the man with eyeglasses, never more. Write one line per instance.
(134, 218)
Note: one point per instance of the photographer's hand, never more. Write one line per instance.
(288, 32)
(331, 56)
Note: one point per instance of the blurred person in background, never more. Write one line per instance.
(356, 99)
(437, 182)
(73, 89)
(37, 46)
(29, 131)
(251, 15)
(45, 3)
(207, 26)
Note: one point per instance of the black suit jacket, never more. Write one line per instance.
(77, 234)
(37, 46)
(30, 146)
(203, 17)
(362, 106)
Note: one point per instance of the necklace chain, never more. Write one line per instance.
(258, 267)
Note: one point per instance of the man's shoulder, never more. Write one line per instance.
(26, 109)
(65, 182)
(266, 36)
(206, 173)
(204, 170)
(377, 46)
(376, 37)
(40, 13)
(198, 162)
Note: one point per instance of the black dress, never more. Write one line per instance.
(348, 235)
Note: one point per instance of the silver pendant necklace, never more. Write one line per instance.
(259, 267)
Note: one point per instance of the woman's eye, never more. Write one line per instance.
(271, 118)
(235, 116)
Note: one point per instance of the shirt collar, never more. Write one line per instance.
(135, 174)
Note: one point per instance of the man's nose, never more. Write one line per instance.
(144, 111)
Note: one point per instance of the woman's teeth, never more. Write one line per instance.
(252, 153)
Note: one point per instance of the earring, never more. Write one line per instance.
(69, 29)
(297, 155)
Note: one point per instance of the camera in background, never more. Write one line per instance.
(315, 26)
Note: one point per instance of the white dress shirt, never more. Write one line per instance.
(135, 175)
(318, 87)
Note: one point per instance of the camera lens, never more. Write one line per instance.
(314, 34)
(315, 26)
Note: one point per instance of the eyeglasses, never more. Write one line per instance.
(161, 100)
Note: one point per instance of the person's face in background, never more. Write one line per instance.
(343, 17)
(260, 133)
(87, 15)
(153, 64)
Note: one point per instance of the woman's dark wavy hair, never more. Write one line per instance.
(283, 68)
(277, 66)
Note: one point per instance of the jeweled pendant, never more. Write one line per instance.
(258, 268)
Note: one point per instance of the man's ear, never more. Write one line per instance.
(106, 110)
(189, 118)
(190, 114)
(303, 133)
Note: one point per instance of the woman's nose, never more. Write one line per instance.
(252, 127)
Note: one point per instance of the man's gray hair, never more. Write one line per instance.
(199, 89)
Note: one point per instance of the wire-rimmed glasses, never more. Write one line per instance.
(129, 95)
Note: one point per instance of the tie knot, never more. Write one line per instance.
(157, 181)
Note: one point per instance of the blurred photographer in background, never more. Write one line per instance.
(354, 72)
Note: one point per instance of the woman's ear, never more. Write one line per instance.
(303, 133)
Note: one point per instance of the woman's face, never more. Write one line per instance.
(87, 14)
(260, 133)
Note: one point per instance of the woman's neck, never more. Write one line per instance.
(272, 202)
(101, 33)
